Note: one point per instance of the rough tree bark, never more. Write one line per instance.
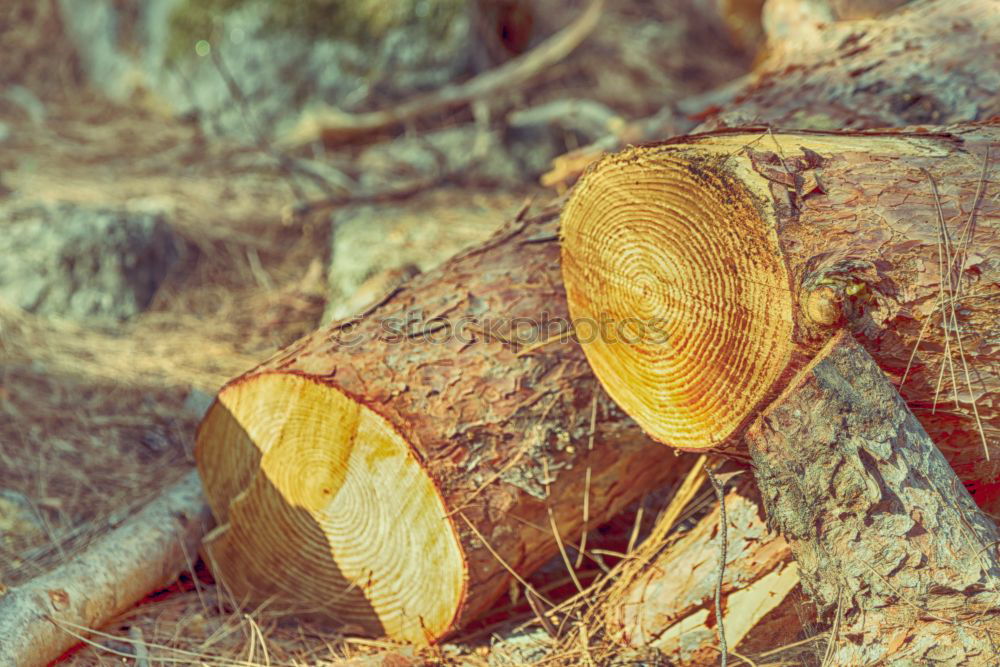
(884, 535)
(959, 87)
(852, 240)
(380, 470)
(743, 251)
(931, 61)
(46, 616)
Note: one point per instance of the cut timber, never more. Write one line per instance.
(885, 537)
(736, 255)
(46, 616)
(650, 605)
(931, 61)
(378, 471)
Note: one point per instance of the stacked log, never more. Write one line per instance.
(741, 255)
(379, 475)
(396, 471)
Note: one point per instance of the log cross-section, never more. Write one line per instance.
(394, 472)
(740, 253)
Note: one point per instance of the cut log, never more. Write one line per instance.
(736, 255)
(931, 61)
(44, 617)
(886, 539)
(386, 470)
(650, 605)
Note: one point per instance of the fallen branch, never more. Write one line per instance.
(335, 126)
(114, 573)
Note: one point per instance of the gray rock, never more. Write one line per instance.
(91, 264)
(197, 403)
(279, 72)
(465, 153)
(373, 245)
(520, 648)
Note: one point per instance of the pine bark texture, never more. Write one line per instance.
(930, 62)
(474, 366)
(884, 535)
(46, 616)
(860, 231)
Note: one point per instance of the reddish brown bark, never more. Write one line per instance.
(459, 363)
(927, 63)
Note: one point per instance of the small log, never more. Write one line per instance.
(385, 472)
(650, 605)
(888, 542)
(38, 620)
(738, 254)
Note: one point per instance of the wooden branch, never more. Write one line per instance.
(114, 573)
(334, 126)
(885, 536)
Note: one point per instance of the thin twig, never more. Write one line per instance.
(555, 529)
(721, 495)
(834, 631)
(489, 547)
(586, 481)
(511, 75)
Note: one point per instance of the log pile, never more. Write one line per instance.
(744, 263)
(820, 306)
(745, 250)
(751, 248)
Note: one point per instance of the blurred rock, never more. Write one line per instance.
(197, 403)
(174, 56)
(372, 244)
(466, 153)
(86, 263)
(520, 648)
